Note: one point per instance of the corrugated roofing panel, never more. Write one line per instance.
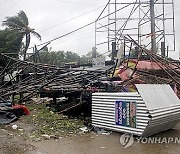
(157, 96)
(103, 111)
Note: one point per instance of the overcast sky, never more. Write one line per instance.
(53, 18)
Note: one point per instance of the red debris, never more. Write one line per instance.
(26, 111)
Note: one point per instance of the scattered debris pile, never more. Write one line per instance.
(149, 68)
(75, 85)
(11, 113)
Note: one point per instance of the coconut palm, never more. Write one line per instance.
(21, 23)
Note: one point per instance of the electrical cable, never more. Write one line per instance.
(3, 3)
(75, 3)
(10, 7)
(71, 19)
(68, 33)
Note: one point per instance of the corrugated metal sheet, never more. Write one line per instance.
(152, 116)
(162, 120)
(100, 68)
(103, 111)
(157, 96)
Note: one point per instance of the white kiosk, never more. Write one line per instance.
(153, 109)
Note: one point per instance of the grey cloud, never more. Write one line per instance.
(44, 14)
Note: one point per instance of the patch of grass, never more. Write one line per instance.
(16, 98)
(50, 123)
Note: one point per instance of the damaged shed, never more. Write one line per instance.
(152, 109)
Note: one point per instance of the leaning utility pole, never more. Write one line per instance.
(153, 36)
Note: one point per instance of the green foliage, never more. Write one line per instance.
(71, 57)
(10, 42)
(53, 58)
(20, 24)
(86, 59)
(58, 58)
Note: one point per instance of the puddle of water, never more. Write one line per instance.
(39, 152)
(104, 144)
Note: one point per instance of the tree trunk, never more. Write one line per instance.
(27, 45)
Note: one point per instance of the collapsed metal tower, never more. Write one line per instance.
(133, 24)
(151, 23)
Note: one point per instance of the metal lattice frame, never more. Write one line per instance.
(147, 22)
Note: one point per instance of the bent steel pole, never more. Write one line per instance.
(153, 33)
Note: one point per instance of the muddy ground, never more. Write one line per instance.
(27, 139)
(90, 143)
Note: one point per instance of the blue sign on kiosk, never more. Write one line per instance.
(125, 114)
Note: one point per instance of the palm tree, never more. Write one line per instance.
(21, 24)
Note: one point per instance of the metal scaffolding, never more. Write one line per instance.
(150, 23)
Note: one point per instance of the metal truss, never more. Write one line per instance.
(151, 23)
